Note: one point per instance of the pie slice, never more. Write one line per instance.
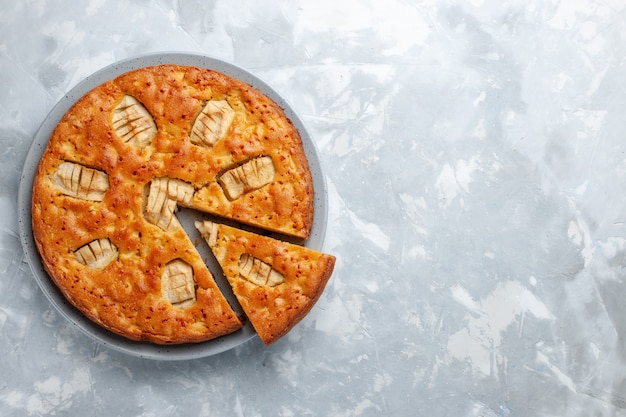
(276, 282)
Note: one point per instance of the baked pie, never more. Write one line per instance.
(120, 162)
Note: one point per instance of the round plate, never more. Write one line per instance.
(147, 349)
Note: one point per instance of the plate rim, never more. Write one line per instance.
(148, 350)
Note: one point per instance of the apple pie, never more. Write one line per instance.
(120, 162)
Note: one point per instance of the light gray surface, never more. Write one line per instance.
(474, 153)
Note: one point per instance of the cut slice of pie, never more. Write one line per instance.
(276, 282)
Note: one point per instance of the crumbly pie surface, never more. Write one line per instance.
(119, 163)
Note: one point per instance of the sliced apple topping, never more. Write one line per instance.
(212, 123)
(164, 194)
(97, 254)
(81, 182)
(178, 285)
(133, 123)
(208, 230)
(258, 272)
(247, 177)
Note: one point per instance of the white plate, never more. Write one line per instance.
(146, 349)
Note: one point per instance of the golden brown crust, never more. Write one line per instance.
(126, 295)
(272, 310)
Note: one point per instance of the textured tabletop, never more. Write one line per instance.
(474, 154)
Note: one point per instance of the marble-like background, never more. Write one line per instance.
(475, 158)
